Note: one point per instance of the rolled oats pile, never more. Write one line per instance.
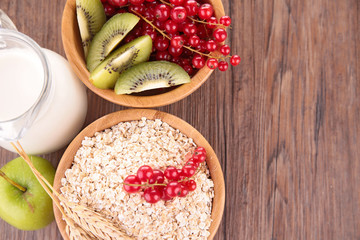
(104, 160)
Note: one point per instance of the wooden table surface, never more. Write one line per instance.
(285, 123)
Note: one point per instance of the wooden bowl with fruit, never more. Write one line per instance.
(167, 184)
(140, 53)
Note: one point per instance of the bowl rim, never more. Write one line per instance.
(75, 55)
(136, 114)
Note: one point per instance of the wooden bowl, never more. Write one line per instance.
(75, 55)
(136, 114)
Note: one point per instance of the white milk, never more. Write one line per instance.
(21, 81)
(62, 115)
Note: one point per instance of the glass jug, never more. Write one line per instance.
(42, 103)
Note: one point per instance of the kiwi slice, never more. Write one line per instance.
(91, 17)
(105, 75)
(151, 75)
(113, 31)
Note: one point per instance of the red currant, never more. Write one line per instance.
(152, 195)
(181, 174)
(200, 156)
(177, 41)
(161, 43)
(158, 177)
(200, 149)
(171, 26)
(188, 170)
(175, 52)
(211, 23)
(162, 12)
(187, 53)
(176, 60)
(191, 7)
(235, 60)
(190, 29)
(198, 61)
(116, 3)
(178, 14)
(159, 24)
(190, 185)
(184, 61)
(223, 66)
(212, 63)
(149, 15)
(184, 191)
(194, 41)
(171, 173)
(109, 9)
(173, 189)
(177, 2)
(163, 56)
(220, 35)
(225, 20)
(152, 33)
(136, 2)
(211, 45)
(192, 162)
(202, 31)
(205, 11)
(122, 2)
(225, 50)
(188, 68)
(202, 46)
(137, 8)
(129, 38)
(144, 173)
(132, 179)
(164, 196)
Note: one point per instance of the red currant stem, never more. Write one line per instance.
(149, 22)
(164, 35)
(204, 22)
(164, 2)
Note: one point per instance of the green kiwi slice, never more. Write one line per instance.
(113, 31)
(151, 75)
(105, 75)
(91, 17)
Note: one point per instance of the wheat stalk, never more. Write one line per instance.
(82, 223)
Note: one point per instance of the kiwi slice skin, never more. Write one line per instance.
(110, 35)
(105, 75)
(151, 75)
(91, 17)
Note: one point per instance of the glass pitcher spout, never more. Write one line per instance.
(5, 22)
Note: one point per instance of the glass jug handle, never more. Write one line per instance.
(5, 22)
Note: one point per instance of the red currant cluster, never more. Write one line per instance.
(152, 182)
(185, 32)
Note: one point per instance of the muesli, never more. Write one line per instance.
(104, 161)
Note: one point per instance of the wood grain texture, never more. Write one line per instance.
(284, 124)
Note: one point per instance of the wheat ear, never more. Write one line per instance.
(82, 222)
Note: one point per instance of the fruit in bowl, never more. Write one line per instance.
(144, 170)
(189, 34)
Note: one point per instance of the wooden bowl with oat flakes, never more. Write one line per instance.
(74, 53)
(169, 121)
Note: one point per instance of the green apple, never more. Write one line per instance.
(32, 209)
